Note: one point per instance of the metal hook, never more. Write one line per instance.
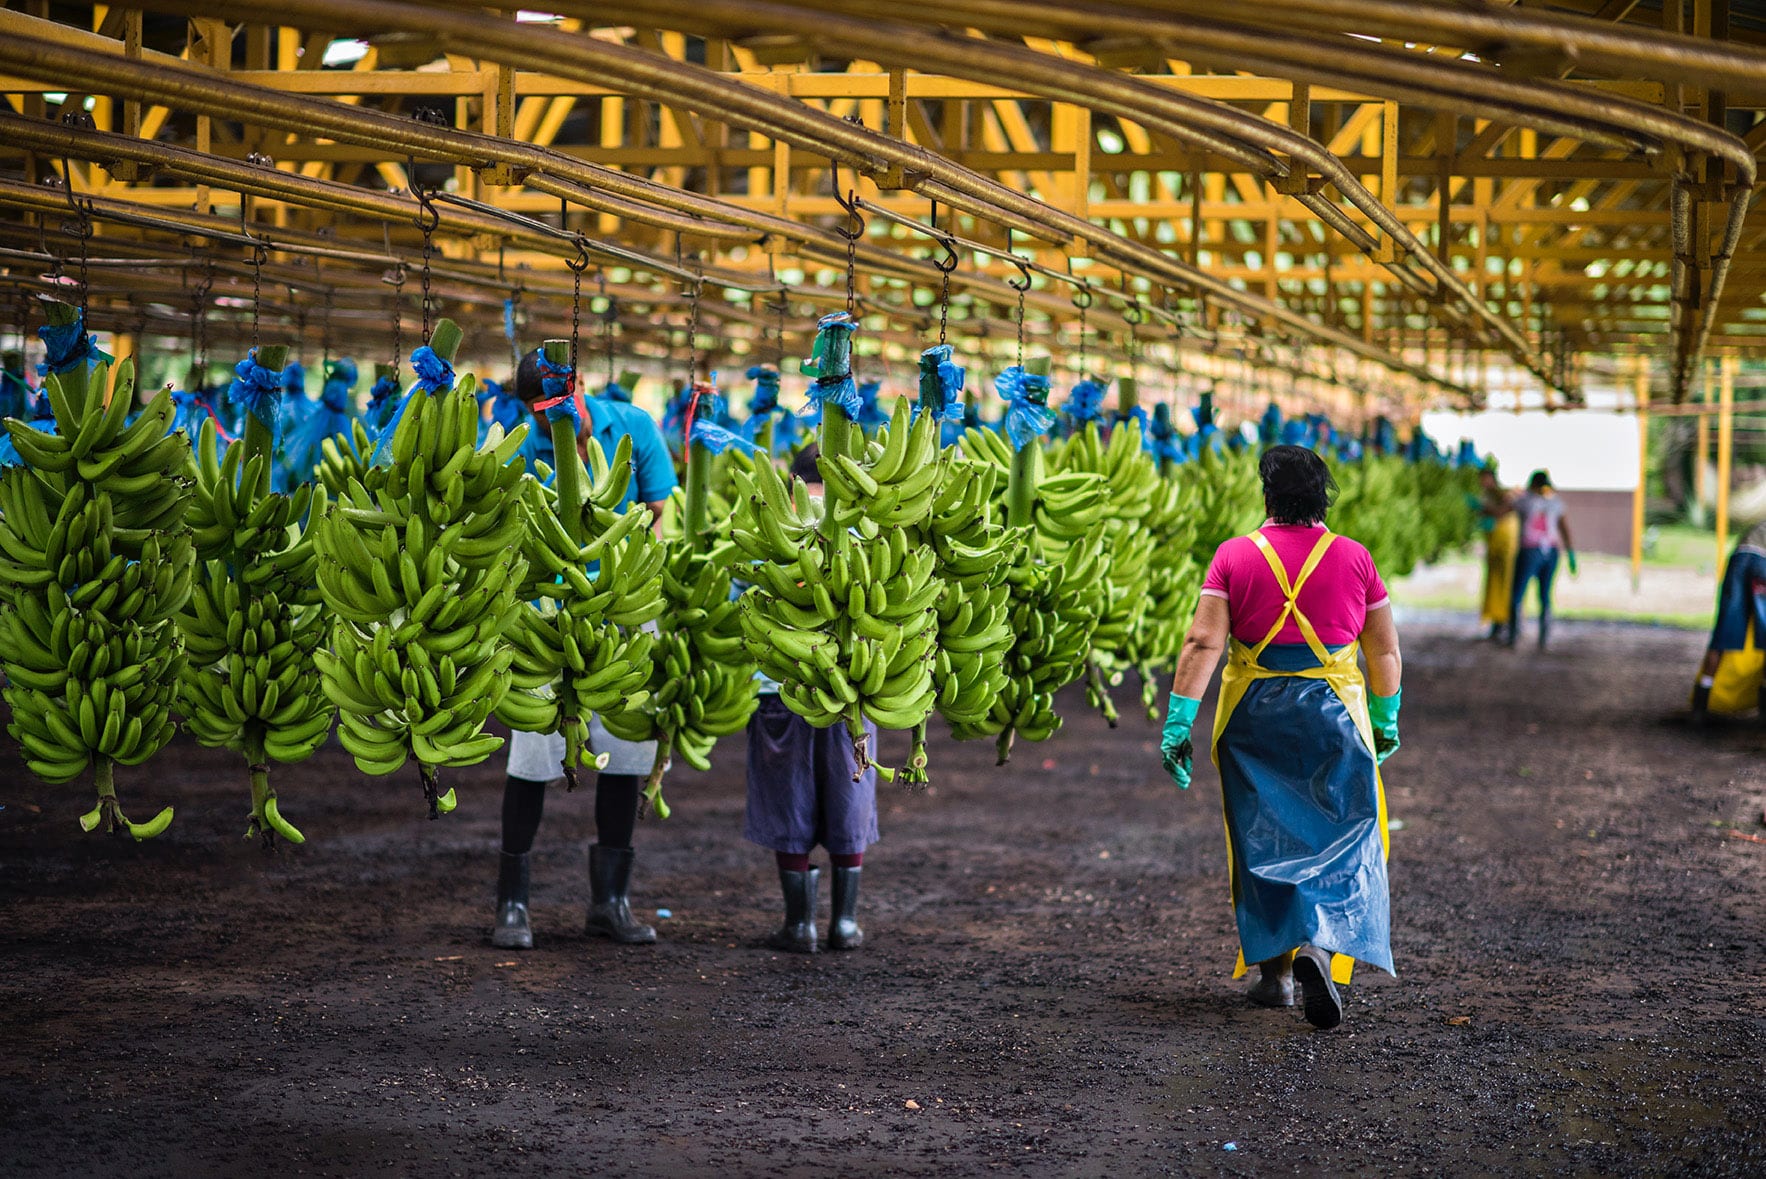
(1134, 314)
(579, 263)
(428, 217)
(849, 202)
(1082, 298)
(950, 259)
(1023, 267)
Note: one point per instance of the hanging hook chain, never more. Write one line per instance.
(1082, 299)
(852, 232)
(427, 221)
(259, 255)
(944, 265)
(82, 228)
(693, 332)
(199, 317)
(577, 265)
(398, 319)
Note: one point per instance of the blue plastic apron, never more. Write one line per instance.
(1300, 789)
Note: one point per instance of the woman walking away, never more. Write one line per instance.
(1502, 536)
(1298, 738)
(1544, 530)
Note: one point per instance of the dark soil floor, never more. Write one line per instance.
(1046, 987)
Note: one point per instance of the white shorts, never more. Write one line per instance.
(539, 757)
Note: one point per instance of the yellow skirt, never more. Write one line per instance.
(1499, 568)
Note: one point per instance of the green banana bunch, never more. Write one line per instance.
(419, 565)
(702, 686)
(1056, 582)
(1174, 583)
(1054, 613)
(595, 580)
(1225, 496)
(342, 459)
(843, 613)
(1132, 479)
(254, 621)
(1405, 513)
(96, 566)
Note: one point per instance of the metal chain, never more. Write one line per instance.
(257, 293)
(779, 309)
(398, 320)
(943, 305)
(851, 269)
(1083, 331)
(693, 334)
(576, 313)
(1020, 329)
(428, 246)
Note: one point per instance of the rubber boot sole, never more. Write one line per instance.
(1318, 994)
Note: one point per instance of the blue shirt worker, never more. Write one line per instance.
(536, 759)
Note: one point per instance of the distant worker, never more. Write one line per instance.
(803, 791)
(1729, 678)
(1544, 530)
(1502, 534)
(1298, 738)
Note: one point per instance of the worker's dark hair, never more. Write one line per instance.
(528, 377)
(1540, 481)
(1297, 486)
(805, 466)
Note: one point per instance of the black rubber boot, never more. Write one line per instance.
(1275, 983)
(843, 930)
(610, 910)
(512, 932)
(1544, 630)
(1318, 994)
(798, 934)
(1509, 633)
(1701, 706)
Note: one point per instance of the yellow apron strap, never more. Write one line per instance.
(1291, 592)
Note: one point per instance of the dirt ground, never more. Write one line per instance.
(1045, 988)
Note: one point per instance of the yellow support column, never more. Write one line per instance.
(1702, 444)
(1725, 451)
(1639, 494)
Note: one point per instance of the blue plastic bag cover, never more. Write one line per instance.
(614, 391)
(1468, 455)
(1349, 450)
(1086, 403)
(951, 378)
(257, 390)
(717, 439)
(383, 402)
(766, 390)
(870, 414)
(1294, 433)
(1028, 416)
(434, 375)
(330, 415)
(507, 410)
(1269, 429)
(66, 345)
(15, 395)
(674, 414)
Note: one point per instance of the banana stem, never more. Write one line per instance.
(260, 782)
(653, 783)
(699, 493)
(445, 338)
(431, 789)
(74, 381)
(1094, 679)
(260, 438)
(104, 782)
(763, 438)
(571, 479)
(1003, 746)
(573, 745)
(1127, 395)
(1026, 466)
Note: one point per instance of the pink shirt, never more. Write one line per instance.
(1335, 599)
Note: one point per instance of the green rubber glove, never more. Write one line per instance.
(1175, 747)
(1570, 555)
(1383, 712)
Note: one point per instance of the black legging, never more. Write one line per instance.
(616, 811)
